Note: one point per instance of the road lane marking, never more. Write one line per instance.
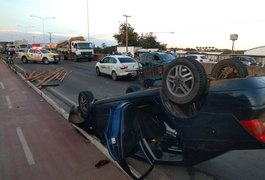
(2, 85)
(9, 104)
(25, 146)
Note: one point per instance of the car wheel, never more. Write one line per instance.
(45, 61)
(229, 69)
(85, 99)
(132, 88)
(114, 76)
(24, 60)
(184, 81)
(98, 71)
(75, 58)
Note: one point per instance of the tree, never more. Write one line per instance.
(105, 49)
(149, 41)
(144, 41)
(133, 37)
(103, 45)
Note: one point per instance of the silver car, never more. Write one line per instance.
(117, 66)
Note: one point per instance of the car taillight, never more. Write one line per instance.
(255, 127)
(123, 67)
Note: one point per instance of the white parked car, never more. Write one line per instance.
(198, 57)
(117, 66)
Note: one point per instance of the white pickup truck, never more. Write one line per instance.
(39, 55)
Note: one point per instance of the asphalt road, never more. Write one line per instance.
(234, 165)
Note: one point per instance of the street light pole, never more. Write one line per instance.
(26, 30)
(42, 18)
(87, 23)
(151, 33)
(126, 16)
(50, 37)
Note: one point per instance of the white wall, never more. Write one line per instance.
(259, 51)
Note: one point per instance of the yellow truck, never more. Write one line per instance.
(39, 55)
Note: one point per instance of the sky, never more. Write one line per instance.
(195, 23)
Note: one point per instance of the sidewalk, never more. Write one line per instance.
(36, 143)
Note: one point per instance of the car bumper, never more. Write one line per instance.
(128, 74)
(54, 59)
(84, 56)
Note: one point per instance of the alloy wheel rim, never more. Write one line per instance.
(180, 80)
(83, 104)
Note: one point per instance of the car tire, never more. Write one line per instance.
(184, 81)
(229, 69)
(85, 99)
(24, 60)
(75, 58)
(45, 61)
(98, 71)
(132, 88)
(114, 76)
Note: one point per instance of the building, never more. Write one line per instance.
(258, 53)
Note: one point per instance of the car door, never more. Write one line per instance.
(149, 58)
(103, 65)
(111, 65)
(123, 137)
(37, 55)
(30, 54)
(157, 59)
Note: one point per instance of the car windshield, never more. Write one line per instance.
(44, 51)
(23, 46)
(126, 60)
(84, 45)
(251, 59)
(167, 57)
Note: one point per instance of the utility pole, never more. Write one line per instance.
(33, 39)
(50, 37)
(42, 19)
(126, 16)
(87, 22)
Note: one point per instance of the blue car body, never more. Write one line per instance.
(144, 125)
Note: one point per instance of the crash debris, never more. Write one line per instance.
(47, 78)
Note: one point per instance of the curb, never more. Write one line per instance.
(65, 115)
(48, 99)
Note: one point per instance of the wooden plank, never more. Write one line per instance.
(47, 77)
(38, 76)
(65, 75)
(57, 72)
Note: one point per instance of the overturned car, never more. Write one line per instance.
(186, 121)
